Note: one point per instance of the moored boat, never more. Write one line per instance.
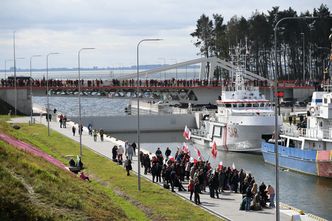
(307, 146)
(242, 118)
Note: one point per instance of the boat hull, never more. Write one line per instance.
(236, 138)
(313, 162)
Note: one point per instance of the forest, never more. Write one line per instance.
(303, 44)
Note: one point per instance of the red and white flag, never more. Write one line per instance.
(199, 155)
(185, 148)
(220, 165)
(186, 133)
(214, 150)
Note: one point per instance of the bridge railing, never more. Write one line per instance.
(148, 83)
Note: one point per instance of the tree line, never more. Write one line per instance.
(303, 45)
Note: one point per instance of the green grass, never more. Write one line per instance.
(151, 203)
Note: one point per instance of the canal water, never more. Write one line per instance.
(309, 193)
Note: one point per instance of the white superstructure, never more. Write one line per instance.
(243, 117)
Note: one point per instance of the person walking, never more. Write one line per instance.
(101, 133)
(130, 152)
(120, 153)
(271, 193)
(64, 122)
(95, 135)
(127, 165)
(90, 129)
(191, 188)
(61, 120)
(73, 129)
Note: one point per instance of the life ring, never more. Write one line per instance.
(312, 110)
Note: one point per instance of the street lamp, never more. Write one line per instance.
(138, 126)
(79, 96)
(303, 55)
(48, 102)
(33, 56)
(15, 73)
(276, 111)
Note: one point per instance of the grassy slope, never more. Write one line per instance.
(152, 203)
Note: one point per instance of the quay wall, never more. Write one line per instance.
(148, 123)
(24, 102)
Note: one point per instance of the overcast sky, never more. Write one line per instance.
(114, 27)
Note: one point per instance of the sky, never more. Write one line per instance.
(114, 27)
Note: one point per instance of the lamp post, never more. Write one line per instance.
(303, 57)
(33, 56)
(48, 100)
(276, 111)
(138, 126)
(79, 96)
(15, 74)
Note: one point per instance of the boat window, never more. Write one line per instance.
(217, 131)
(241, 105)
(262, 105)
(256, 105)
(325, 100)
(248, 105)
(228, 105)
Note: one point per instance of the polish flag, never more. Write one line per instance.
(198, 153)
(185, 148)
(220, 165)
(171, 158)
(186, 133)
(233, 166)
(214, 150)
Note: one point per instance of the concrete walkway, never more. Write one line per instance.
(226, 207)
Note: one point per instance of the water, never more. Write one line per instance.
(309, 193)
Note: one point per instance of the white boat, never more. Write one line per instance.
(243, 117)
(307, 146)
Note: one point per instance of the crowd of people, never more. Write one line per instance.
(26, 82)
(198, 175)
(173, 172)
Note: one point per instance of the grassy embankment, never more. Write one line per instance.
(35, 189)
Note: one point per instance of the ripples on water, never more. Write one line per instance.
(309, 193)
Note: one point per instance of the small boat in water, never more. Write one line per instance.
(307, 146)
(243, 117)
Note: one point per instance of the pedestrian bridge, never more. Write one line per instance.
(203, 90)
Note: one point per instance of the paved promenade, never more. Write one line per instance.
(226, 207)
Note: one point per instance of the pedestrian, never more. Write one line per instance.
(120, 153)
(73, 129)
(191, 188)
(127, 165)
(130, 152)
(271, 193)
(95, 135)
(115, 153)
(167, 153)
(64, 122)
(134, 147)
(61, 120)
(101, 133)
(90, 129)
(197, 190)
